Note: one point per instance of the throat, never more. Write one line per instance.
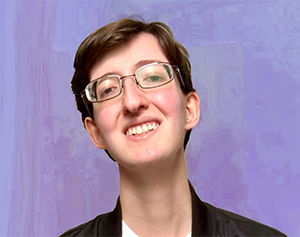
(163, 210)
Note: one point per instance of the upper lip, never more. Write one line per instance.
(139, 121)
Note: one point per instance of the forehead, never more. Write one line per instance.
(123, 60)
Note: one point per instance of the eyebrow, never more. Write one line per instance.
(136, 66)
(144, 62)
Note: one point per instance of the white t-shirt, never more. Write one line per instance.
(127, 232)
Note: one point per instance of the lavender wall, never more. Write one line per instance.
(243, 156)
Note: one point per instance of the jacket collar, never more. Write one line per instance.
(200, 216)
(112, 224)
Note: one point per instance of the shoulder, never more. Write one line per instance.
(228, 222)
(90, 228)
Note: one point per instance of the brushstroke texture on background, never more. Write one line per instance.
(243, 156)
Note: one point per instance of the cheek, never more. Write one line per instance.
(171, 102)
(106, 118)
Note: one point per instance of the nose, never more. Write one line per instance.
(134, 98)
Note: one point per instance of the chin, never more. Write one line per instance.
(142, 160)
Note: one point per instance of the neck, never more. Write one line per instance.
(156, 201)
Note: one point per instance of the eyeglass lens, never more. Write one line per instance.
(149, 76)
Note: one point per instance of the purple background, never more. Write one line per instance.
(243, 155)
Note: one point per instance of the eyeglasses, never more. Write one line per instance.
(146, 77)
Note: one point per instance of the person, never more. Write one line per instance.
(133, 87)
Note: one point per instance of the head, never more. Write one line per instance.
(114, 35)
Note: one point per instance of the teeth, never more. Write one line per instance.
(145, 128)
(140, 129)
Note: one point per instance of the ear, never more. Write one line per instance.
(94, 132)
(192, 110)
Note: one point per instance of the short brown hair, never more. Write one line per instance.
(107, 38)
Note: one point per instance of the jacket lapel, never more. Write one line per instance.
(112, 224)
(200, 216)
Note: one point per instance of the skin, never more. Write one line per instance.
(154, 191)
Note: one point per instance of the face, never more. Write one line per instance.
(141, 127)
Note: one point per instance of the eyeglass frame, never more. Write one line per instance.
(174, 67)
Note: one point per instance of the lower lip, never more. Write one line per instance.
(142, 136)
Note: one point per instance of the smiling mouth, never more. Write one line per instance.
(142, 129)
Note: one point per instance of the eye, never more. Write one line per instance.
(154, 78)
(107, 91)
(108, 88)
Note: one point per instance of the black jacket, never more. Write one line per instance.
(207, 220)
